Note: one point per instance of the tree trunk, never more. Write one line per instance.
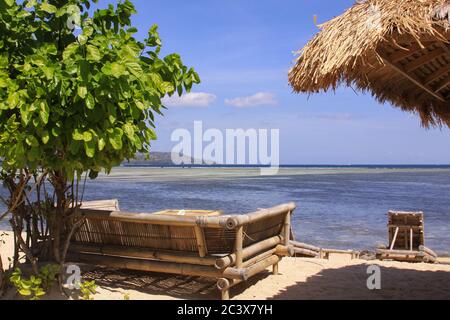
(2, 277)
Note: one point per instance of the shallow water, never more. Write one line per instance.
(339, 208)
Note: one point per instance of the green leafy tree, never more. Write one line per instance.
(74, 101)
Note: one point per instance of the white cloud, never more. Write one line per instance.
(192, 99)
(258, 99)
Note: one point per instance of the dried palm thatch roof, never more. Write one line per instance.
(396, 49)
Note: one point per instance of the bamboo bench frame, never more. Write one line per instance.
(242, 257)
(406, 238)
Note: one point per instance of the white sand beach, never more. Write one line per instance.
(299, 278)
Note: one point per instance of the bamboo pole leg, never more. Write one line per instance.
(239, 247)
(225, 294)
(411, 239)
(287, 229)
(275, 269)
(224, 285)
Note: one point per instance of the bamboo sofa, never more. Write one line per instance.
(228, 248)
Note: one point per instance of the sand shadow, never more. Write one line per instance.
(159, 284)
(350, 283)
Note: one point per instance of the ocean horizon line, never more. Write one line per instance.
(412, 166)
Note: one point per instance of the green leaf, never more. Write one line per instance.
(32, 141)
(70, 50)
(117, 69)
(87, 136)
(167, 87)
(82, 92)
(101, 144)
(90, 101)
(25, 292)
(56, 132)
(90, 148)
(13, 100)
(3, 83)
(115, 138)
(44, 112)
(134, 68)
(48, 72)
(45, 137)
(61, 12)
(39, 293)
(88, 31)
(129, 130)
(10, 3)
(23, 14)
(48, 7)
(106, 69)
(77, 135)
(140, 105)
(82, 39)
(31, 3)
(52, 50)
(93, 54)
(25, 114)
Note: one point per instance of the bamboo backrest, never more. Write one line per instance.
(112, 205)
(406, 229)
(178, 233)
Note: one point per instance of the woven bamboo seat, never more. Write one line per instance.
(229, 248)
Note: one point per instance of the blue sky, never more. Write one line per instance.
(244, 48)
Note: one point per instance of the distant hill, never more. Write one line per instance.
(155, 159)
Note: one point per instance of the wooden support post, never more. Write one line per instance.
(411, 239)
(287, 229)
(239, 246)
(225, 294)
(201, 242)
(405, 234)
(292, 235)
(224, 285)
(394, 239)
(2, 276)
(275, 269)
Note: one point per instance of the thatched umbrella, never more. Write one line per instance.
(396, 49)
